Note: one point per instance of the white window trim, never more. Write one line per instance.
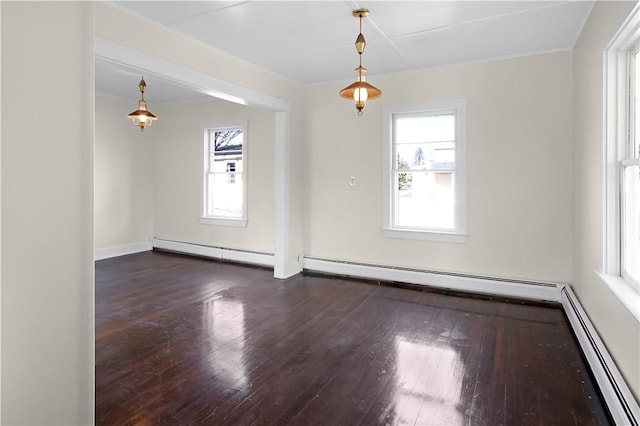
(459, 233)
(616, 115)
(218, 220)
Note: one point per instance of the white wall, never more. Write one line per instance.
(47, 213)
(124, 176)
(125, 30)
(178, 174)
(519, 170)
(616, 326)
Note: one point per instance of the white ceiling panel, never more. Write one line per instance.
(311, 42)
(265, 33)
(171, 12)
(408, 17)
(536, 31)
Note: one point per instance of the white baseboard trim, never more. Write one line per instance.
(122, 250)
(287, 270)
(530, 290)
(222, 253)
(622, 405)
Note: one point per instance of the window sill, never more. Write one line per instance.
(450, 237)
(238, 223)
(624, 292)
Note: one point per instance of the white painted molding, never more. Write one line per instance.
(530, 290)
(236, 223)
(622, 290)
(109, 252)
(221, 253)
(284, 267)
(200, 82)
(622, 405)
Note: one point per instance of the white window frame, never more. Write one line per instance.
(459, 232)
(617, 122)
(223, 220)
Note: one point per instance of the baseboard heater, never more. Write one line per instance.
(212, 252)
(531, 290)
(622, 405)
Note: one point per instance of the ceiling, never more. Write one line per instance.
(312, 42)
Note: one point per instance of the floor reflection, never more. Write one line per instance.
(427, 395)
(224, 325)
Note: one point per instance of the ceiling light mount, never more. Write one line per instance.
(142, 117)
(360, 91)
(361, 13)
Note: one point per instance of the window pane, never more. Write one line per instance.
(430, 128)
(429, 156)
(635, 143)
(631, 223)
(424, 200)
(224, 194)
(227, 153)
(227, 140)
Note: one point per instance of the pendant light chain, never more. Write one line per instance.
(360, 91)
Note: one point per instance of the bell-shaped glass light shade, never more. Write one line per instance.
(142, 117)
(360, 92)
(360, 96)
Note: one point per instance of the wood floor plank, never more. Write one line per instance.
(189, 341)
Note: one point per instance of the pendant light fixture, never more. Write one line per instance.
(360, 91)
(142, 117)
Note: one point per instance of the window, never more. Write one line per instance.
(621, 166)
(630, 184)
(425, 171)
(224, 176)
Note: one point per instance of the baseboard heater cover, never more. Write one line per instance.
(531, 290)
(621, 403)
(221, 253)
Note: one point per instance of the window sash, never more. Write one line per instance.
(224, 191)
(628, 191)
(630, 221)
(452, 163)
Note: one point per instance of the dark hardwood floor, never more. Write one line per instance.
(183, 341)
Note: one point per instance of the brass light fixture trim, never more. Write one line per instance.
(360, 91)
(142, 117)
